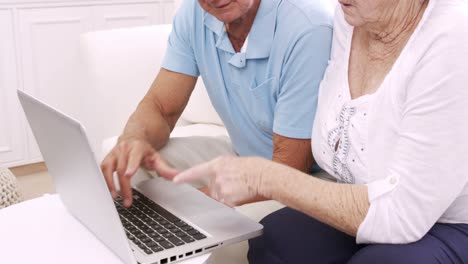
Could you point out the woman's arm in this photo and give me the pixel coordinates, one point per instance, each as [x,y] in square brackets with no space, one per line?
[293,152]
[342,206]
[236,180]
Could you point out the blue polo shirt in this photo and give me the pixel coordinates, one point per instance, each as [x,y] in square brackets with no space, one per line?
[272,87]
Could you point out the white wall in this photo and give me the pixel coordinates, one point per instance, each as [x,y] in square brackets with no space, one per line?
[40,54]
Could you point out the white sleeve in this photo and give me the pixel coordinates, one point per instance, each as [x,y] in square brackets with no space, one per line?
[429,165]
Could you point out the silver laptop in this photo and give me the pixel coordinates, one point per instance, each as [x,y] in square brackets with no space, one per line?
[167,222]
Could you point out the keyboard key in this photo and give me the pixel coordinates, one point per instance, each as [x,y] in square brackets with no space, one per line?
[176,241]
[151,223]
[151,244]
[161,230]
[140,224]
[140,215]
[141,236]
[180,223]
[155,226]
[148,251]
[140,245]
[132,219]
[145,240]
[147,230]
[187,239]
[157,249]
[169,227]
[193,232]
[165,244]
[166,235]
[199,236]
[180,234]
[152,214]
[174,230]
[187,228]
[133,209]
[126,215]
[158,239]
[153,234]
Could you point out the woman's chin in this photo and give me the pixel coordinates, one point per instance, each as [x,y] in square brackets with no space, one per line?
[352,20]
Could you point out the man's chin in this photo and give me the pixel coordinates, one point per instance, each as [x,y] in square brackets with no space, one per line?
[227,17]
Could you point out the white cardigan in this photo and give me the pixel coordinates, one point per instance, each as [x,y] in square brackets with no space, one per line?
[408,142]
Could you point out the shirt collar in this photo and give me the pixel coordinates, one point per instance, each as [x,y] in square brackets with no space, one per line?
[260,36]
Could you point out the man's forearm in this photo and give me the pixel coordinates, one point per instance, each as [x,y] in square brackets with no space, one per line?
[155,130]
[292,152]
[300,162]
[157,114]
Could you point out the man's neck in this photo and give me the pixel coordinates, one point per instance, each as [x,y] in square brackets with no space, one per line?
[239,29]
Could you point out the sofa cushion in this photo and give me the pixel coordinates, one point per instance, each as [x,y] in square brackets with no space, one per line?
[199,108]
[119,66]
[179,131]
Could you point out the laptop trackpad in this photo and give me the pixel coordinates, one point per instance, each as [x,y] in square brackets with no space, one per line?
[184,199]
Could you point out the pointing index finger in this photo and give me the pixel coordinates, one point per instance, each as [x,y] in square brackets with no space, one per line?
[200,171]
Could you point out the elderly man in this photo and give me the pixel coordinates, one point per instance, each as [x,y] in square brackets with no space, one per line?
[261,62]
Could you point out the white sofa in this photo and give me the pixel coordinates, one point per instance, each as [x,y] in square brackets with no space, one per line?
[120,66]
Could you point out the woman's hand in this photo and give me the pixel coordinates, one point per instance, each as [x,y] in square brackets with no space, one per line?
[232,180]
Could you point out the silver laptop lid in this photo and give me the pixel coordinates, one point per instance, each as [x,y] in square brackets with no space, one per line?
[77,176]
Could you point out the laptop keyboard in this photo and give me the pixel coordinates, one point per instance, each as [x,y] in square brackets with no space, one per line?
[151,227]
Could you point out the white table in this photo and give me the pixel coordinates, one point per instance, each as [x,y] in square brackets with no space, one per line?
[42,231]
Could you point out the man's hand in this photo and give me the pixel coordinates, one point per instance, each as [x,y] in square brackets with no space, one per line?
[125,159]
[148,129]
[232,180]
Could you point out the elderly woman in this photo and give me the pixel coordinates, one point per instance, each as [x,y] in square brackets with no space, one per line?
[392,128]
